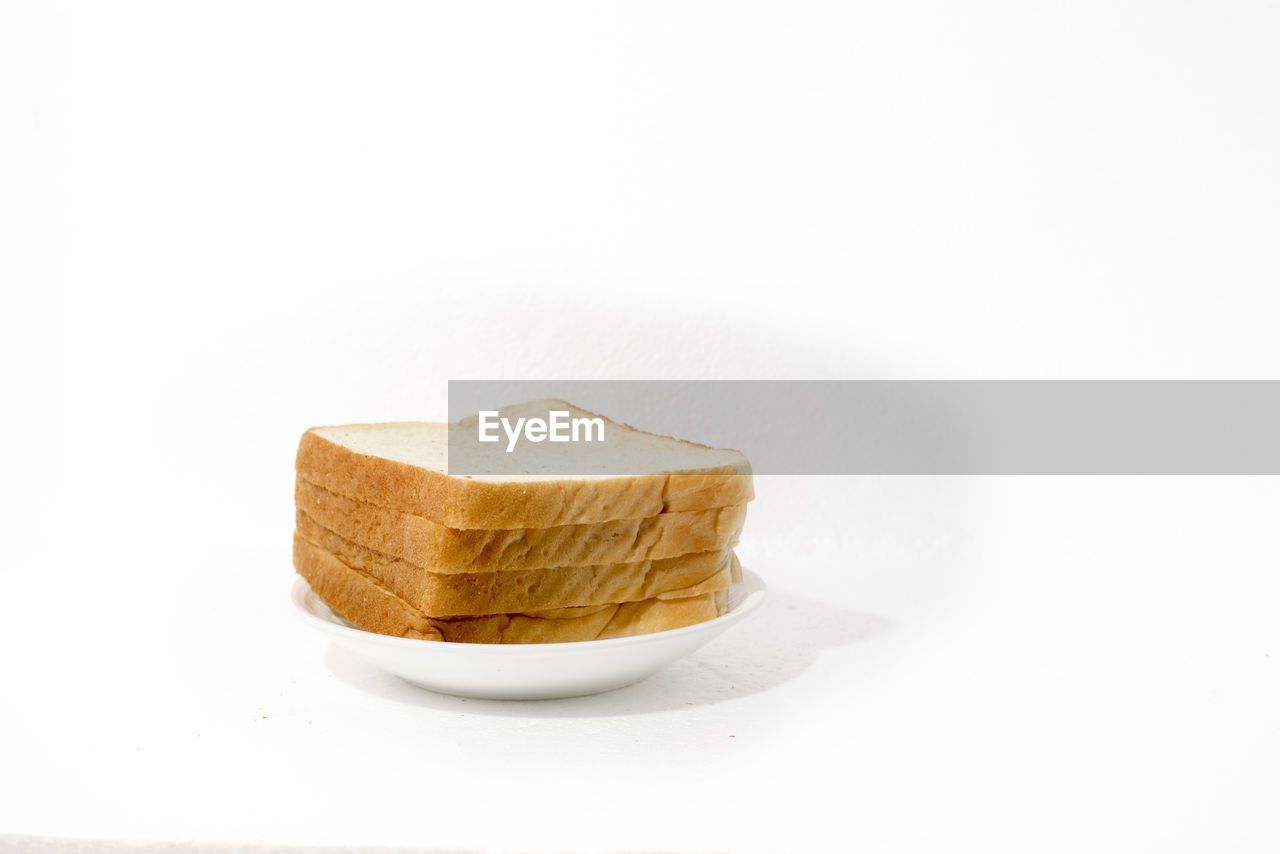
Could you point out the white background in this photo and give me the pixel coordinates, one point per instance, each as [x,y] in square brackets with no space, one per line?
[221,223]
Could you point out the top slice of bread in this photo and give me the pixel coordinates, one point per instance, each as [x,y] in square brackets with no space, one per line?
[404,466]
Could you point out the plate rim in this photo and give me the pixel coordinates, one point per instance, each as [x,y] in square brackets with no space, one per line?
[754,596]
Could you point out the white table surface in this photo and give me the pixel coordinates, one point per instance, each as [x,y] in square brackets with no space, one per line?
[1053,664]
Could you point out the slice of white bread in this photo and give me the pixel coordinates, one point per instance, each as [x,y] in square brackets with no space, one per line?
[370,606]
[633,475]
[438,548]
[437,594]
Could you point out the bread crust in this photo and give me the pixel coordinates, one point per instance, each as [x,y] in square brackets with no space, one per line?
[372,607]
[476,594]
[442,549]
[463,502]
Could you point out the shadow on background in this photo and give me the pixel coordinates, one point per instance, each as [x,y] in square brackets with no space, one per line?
[774,646]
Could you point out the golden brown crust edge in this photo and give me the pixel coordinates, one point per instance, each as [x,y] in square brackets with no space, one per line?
[438,548]
[476,594]
[370,607]
[460,502]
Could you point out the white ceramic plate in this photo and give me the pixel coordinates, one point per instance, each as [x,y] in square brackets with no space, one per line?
[535,671]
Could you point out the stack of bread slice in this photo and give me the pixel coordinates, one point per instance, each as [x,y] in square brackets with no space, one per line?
[396,545]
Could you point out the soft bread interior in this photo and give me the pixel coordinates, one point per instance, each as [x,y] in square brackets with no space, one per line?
[624,452]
